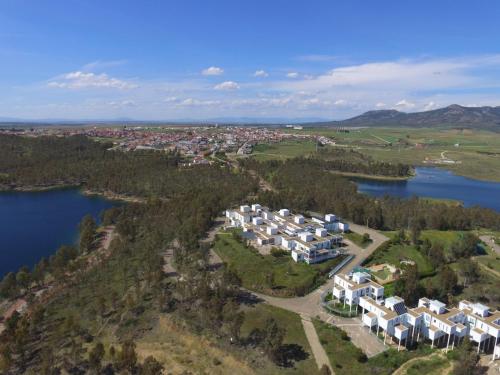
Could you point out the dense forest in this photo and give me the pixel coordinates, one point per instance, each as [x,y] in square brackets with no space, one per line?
[127,287]
[107,301]
[351,161]
[302,183]
[49,161]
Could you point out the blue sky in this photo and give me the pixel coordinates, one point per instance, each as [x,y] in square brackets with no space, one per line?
[160,60]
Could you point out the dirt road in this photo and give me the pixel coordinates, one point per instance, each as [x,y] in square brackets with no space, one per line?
[488,240]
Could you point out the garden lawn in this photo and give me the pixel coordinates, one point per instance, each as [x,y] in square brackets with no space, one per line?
[289,278]
[396,253]
[357,238]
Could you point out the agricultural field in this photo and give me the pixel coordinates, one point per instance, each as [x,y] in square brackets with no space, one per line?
[275,275]
[471,153]
[283,150]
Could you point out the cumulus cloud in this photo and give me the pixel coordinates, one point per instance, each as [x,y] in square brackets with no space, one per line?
[260,73]
[191,102]
[82,80]
[341,92]
[227,85]
[122,104]
[212,71]
[430,105]
[404,104]
[171,99]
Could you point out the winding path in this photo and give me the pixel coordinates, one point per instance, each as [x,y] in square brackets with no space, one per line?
[310,305]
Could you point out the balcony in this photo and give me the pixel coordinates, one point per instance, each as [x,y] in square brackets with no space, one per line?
[370,319]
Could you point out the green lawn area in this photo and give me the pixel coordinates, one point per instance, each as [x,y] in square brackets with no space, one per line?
[384,274]
[283,150]
[255,317]
[347,359]
[357,238]
[446,238]
[396,253]
[290,278]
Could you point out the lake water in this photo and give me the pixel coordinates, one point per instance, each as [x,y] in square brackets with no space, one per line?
[437,183]
[34,225]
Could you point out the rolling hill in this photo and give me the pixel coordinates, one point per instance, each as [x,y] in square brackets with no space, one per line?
[453,116]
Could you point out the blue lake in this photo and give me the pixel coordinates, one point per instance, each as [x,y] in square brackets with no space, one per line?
[437,183]
[34,225]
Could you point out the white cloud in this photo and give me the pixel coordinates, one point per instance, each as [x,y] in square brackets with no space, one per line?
[171,99]
[100,64]
[430,105]
[227,85]
[405,104]
[260,73]
[213,71]
[191,102]
[122,104]
[292,75]
[347,90]
[82,80]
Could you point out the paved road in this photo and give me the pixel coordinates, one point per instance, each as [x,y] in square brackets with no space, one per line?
[310,304]
[318,351]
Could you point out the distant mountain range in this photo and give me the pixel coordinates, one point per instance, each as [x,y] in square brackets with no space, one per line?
[182,121]
[453,116]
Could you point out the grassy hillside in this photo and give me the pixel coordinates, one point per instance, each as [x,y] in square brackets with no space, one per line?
[256,271]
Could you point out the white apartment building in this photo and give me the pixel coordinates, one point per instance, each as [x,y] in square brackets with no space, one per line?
[309,240]
[351,287]
[431,319]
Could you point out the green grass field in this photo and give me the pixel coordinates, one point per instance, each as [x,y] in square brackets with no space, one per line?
[357,238]
[398,253]
[290,278]
[283,150]
[476,150]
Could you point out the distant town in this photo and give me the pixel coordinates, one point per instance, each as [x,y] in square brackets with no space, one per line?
[195,142]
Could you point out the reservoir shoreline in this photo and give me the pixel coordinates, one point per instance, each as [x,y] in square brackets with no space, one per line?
[35,224]
[438,184]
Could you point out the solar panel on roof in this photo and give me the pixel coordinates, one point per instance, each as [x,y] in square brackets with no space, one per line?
[400,308]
